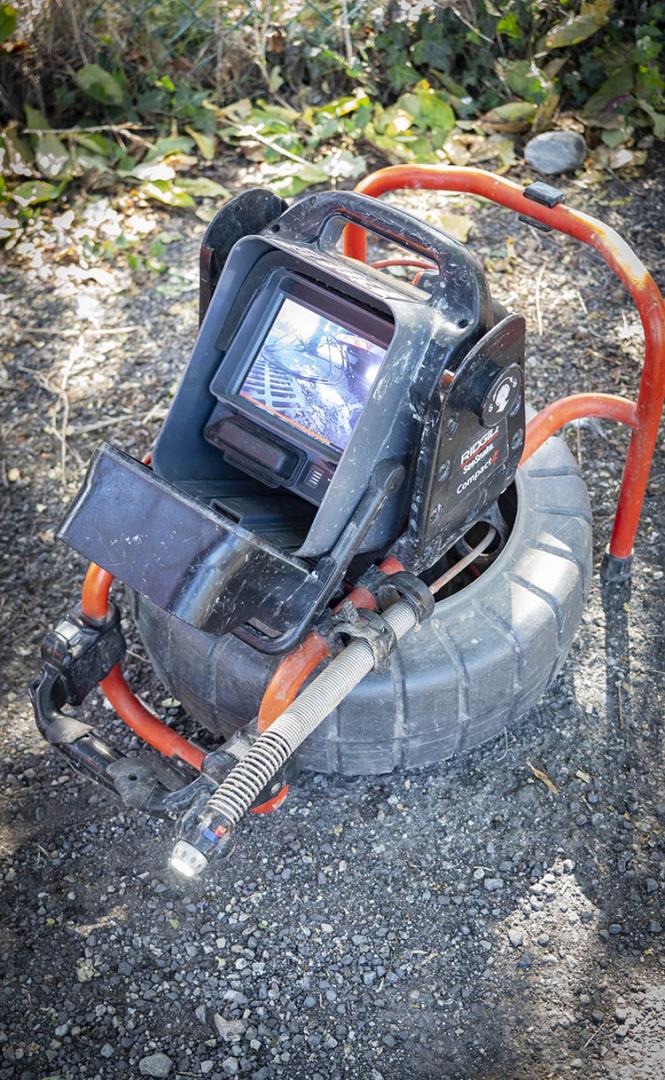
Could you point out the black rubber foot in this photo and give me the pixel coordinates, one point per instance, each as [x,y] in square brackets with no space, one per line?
[615,570]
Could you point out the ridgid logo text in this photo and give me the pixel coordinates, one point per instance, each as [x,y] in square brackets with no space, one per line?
[480,444]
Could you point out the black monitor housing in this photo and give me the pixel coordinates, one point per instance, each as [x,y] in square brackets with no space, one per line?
[330,414]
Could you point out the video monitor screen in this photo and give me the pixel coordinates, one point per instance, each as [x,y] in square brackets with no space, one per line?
[313,373]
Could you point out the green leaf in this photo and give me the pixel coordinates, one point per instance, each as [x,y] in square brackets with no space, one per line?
[170,144]
[432,53]
[35,119]
[438,114]
[342,106]
[525,80]
[350,114]
[100,85]
[421,149]
[457,225]
[82,161]
[288,179]
[150,170]
[577,28]
[51,155]
[342,165]
[18,151]
[394,121]
[203,187]
[95,143]
[206,144]
[35,191]
[509,26]
[124,163]
[401,74]
[611,93]
[8,20]
[513,112]
[616,136]
[427,107]
[165,191]
[262,119]
[657,119]
[396,148]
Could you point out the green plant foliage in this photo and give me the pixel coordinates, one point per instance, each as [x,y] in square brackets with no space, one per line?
[33,192]
[525,80]
[17,155]
[300,102]
[100,85]
[393,45]
[508,26]
[286,181]
[415,127]
[203,186]
[205,144]
[657,119]
[8,20]
[577,28]
[513,112]
[95,143]
[613,93]
[51,156]
[168,193]
[171,144]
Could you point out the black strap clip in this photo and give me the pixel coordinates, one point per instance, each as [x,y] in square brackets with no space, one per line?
[545,195]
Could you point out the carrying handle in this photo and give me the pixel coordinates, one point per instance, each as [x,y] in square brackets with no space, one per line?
[459,279]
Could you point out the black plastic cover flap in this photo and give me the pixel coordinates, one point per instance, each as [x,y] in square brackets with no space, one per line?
[185,557]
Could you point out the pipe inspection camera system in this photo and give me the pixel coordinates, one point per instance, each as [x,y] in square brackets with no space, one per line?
[348,549]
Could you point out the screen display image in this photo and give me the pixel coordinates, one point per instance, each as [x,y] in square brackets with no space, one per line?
[314,373]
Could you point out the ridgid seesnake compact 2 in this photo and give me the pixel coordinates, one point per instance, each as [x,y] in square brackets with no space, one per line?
[352,548]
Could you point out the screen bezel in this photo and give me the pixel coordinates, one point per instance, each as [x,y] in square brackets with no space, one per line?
[253,332]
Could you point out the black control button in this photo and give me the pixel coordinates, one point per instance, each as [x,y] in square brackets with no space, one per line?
[271,456]
[502,395]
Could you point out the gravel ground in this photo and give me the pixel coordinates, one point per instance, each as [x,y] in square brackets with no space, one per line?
[461,921]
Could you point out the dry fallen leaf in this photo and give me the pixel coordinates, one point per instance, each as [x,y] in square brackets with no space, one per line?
[544,778]
[457,225]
